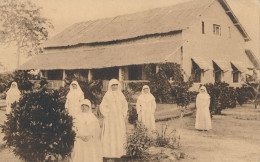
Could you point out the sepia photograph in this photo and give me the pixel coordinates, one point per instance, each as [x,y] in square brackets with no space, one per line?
[130,80]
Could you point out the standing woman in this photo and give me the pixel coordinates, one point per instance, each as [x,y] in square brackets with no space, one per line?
[114,109]
[87,147]
[12,95]
[145,107]
[74,97]
[203,120]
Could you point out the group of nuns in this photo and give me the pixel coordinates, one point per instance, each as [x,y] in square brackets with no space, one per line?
[92,144]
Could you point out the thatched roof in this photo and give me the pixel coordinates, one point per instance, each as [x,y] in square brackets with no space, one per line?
[159,51]
[147,23]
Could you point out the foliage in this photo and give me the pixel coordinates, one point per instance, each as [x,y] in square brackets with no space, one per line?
[221,96]
[138,141]
[254,90]
[159,82]
[63,91]
[232,97]
[39,127]
[193,95]
[5,81]
[181,93]
[164,90]
[22,79]
[133,116]
[130,96]
[92,90]
[137,87]
[23,24]
[244,94]
[168,140]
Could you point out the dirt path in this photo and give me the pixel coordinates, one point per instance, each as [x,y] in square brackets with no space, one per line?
[235,137]
[232,138]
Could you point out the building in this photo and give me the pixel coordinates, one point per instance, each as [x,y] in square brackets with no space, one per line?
[204,37]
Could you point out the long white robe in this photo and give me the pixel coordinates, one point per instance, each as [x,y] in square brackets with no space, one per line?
[145,107]
[114,109]
[203,120]
[74,97]
[12,95]
[91,151]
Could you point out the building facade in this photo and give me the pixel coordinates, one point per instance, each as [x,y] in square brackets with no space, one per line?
[204,37]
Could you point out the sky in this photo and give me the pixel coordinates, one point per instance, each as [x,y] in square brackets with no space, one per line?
[64,13]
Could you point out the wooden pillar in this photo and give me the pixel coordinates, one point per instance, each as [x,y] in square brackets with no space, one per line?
[46,74]
[41,74]
[126,74]
[157,68]
[63,78]
[120,74]
[90,76]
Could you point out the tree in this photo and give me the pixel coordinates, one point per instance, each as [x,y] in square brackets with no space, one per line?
[39,128]
[21,23]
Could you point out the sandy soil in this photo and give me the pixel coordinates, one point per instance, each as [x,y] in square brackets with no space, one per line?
[235,137]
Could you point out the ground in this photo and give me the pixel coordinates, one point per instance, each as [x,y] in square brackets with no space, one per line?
[235,137]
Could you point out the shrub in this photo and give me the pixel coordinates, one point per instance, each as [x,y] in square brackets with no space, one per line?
[221,97]
[129,95]
[5,82]
[244,94]
[137,87]
[193,95]
[138,141]
[162,89]
[133,116]
[92,90]
[181,93]
[232,97]
[38,127]
[22,79]
[167,140]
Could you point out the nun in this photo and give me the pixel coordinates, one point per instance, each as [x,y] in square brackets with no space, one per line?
[203,120]
[145,107]
[114,109]
[87,146]
[74,97]
[12,95]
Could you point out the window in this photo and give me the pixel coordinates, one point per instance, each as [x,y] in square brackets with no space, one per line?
[216,29]
[217,76]
[235,76]
[235,73]
[54,74]
[203,27]
[196,72]
[135,72]
[105,74]
[217,72]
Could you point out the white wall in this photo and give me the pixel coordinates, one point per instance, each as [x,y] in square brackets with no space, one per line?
[210,46]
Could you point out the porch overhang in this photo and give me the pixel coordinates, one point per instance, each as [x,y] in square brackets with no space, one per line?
[223,65]
[159,51]
[240,66]
[202,63]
